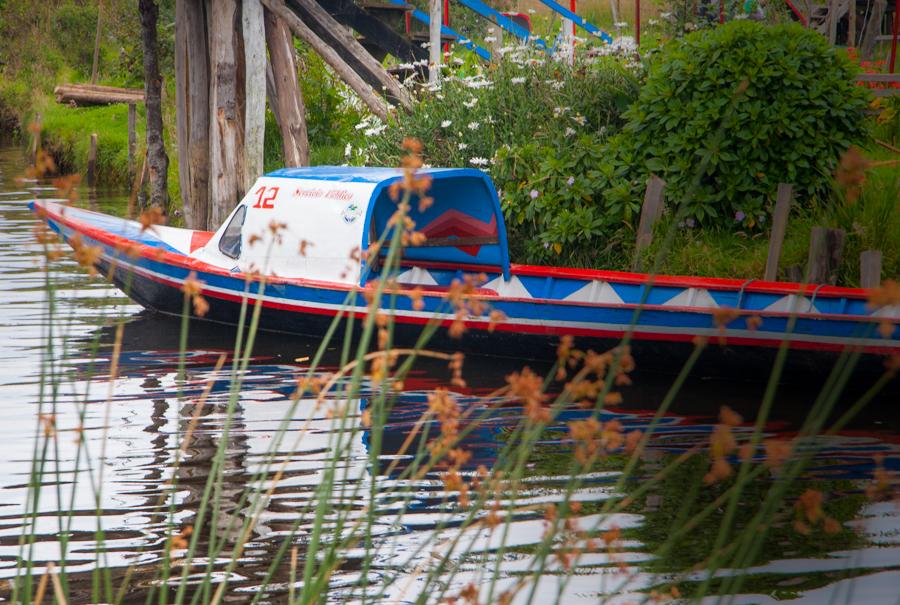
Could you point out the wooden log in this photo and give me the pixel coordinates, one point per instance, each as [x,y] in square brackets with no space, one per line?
[286,98]
[328,54]
[435,14]
[132,137]
[192,110]
[346,45]
[783,199]
[826,248]
[870,269]
[85,94]
[652,209]
[254,34]
[226,132]
[92,161]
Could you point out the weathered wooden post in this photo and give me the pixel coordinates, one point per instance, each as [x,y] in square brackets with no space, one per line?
[287,99]
[783,199]
[192,113]
[434,41]
[826,247]
[833,18]
[254,35]
[872,29]
[35,137]
[95,64]
[654,202]
[132,138]
[226,132]
[870,269]
[92,161]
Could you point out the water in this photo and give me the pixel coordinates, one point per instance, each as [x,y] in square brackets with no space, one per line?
[133,425]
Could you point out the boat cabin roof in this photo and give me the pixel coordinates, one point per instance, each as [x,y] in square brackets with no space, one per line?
[313,222]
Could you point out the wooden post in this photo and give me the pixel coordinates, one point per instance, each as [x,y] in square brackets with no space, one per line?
[637,23]
[654,202]
[434,41]
[132,137]
[287,99]
[157,160]
[872,29]
[851,23]
[783,199]
[826,247]
[255,88]
[92,161]
[833,17]
[96,62]
[870,269]
[328,54]
[35,137]
[226,128]
[192,110]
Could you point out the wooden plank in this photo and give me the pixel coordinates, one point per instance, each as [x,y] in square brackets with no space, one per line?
[286,99]
[885,78]
[353,53]
[434,41]
[92,161]
[330,56]
[654,202]
[192,113]
[870,269]
[826,247]
[783,199]
[254,33]
[226,127]
[347,13]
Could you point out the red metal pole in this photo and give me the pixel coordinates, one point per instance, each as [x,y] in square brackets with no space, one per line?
[721,12]
[894,32]
[447,22]
[637,22]
[572,8]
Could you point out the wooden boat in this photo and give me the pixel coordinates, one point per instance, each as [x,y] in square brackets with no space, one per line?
[333,213]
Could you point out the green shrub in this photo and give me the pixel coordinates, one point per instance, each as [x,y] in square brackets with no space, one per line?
[799,112]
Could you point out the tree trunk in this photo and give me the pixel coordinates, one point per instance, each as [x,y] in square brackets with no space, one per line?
[192,114]
[156,150]
[287,105]
[226,129]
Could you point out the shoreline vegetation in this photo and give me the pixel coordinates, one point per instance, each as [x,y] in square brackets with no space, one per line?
[570,158]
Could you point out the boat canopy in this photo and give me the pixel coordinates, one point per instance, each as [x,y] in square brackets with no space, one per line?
[313,223]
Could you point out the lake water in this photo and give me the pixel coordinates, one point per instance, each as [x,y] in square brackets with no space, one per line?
[115,451]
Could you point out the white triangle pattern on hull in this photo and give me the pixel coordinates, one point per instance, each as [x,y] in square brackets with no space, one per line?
[596,292]
[514,288]
[792,303]
[692,297]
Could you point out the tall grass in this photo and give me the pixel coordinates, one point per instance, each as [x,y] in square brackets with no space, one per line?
[483,506]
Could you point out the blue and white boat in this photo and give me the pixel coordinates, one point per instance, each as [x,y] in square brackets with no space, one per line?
[313,268]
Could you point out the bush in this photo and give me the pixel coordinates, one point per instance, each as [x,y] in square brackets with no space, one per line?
[798,112]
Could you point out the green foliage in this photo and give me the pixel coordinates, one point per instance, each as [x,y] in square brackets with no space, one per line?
[781,101]
[521,100]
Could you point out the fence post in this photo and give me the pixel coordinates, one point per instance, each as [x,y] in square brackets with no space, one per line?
[870,269]
[654,201]
[92,161]
[826,247]
[132,138]
[783,199]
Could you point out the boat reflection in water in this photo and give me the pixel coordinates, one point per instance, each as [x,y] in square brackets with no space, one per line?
[414,515]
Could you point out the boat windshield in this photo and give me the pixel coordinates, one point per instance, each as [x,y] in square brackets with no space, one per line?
[230,242]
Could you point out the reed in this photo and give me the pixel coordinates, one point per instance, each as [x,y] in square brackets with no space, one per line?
[341,530]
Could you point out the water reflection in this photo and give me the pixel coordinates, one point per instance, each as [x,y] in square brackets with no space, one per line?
[140,419]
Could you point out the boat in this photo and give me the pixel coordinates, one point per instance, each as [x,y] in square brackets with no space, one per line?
[304,231]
